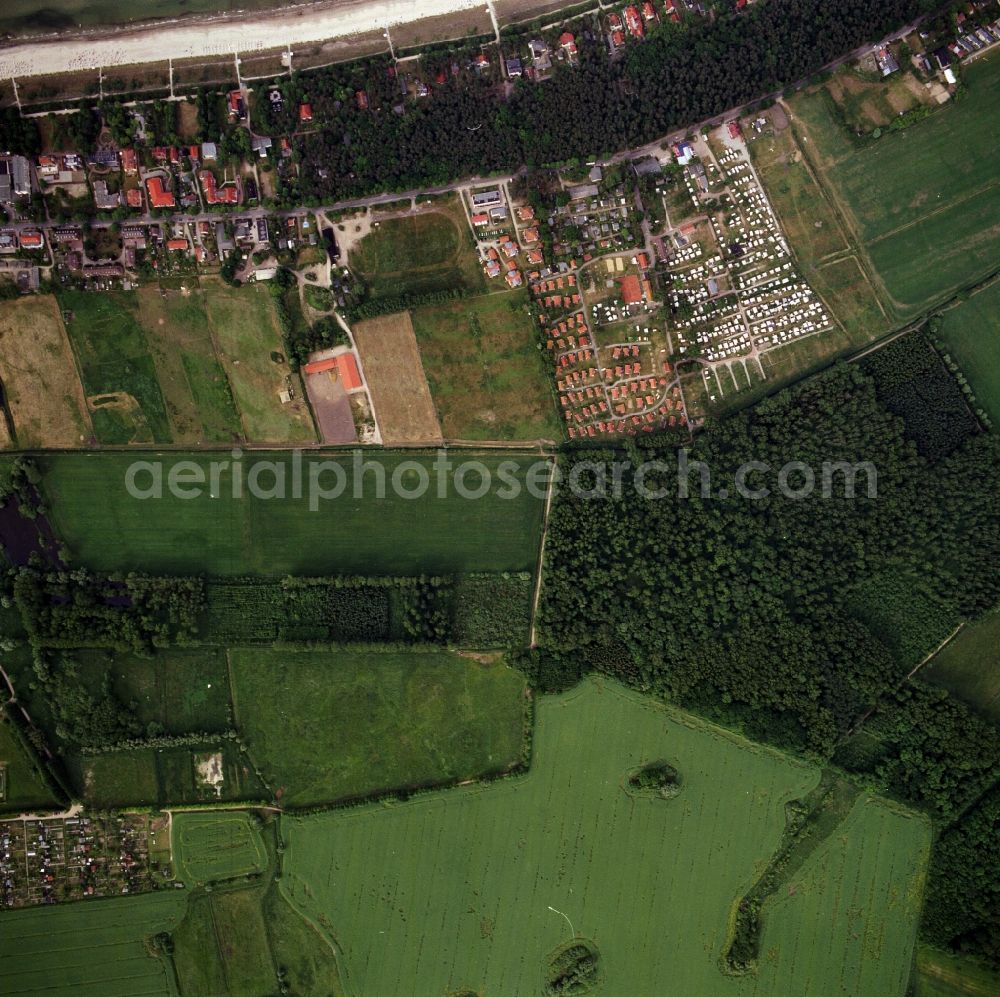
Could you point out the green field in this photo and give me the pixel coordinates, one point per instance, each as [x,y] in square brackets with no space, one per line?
[945,975]
[471,885]
[88,949]
[198,397]
[117,370]
[924,201]
[247,340]
[862,889]
[969,667]
[161,776]
[22,787]
[208,847]
[378,721]
[182,691]
[971,333]
[487,377]
[417,254]
[108,530]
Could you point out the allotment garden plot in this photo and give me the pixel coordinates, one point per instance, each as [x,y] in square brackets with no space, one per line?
[473,887]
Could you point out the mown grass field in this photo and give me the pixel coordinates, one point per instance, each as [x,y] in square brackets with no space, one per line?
[197,394]
[118,373]
[462,895]
[247,339]
[93,949]
[107,529]
[209,847]
[924,201]
[416,254]
[40,382]
[325,726]
[846,922]
[487,377]
[969,666]
[971,333]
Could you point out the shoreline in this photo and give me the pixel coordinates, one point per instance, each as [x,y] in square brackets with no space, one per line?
[214,35]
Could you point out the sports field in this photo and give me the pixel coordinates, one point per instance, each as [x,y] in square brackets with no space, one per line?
[119,376]
[419,253]
[40,383]
[969,666]
[89,949]
[209,847]
[247,341]
[198,397]
[326,726]
[971,333]
[487,377]
[923,201]
[474,888]
[109,530]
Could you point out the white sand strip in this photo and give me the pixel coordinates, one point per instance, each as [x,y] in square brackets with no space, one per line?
[218,36]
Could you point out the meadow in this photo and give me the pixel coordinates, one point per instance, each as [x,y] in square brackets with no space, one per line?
[22,787]
[969,666]
[378,721]
[210,847]
[117,370]
[108,530]
[486,375]
[971,334]
[924,200]
[418,253]
[247,338]
[476,888]
[41,386]
[89,949]
[197,394]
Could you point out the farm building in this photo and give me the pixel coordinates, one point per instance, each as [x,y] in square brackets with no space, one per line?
[342,367]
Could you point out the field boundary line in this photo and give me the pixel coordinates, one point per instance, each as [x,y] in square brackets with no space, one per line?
[541,558]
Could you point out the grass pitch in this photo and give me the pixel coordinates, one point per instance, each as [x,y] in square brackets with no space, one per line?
[108,530]
[209,847]
[473,887]
[417,254]
[378,721]
[487,377]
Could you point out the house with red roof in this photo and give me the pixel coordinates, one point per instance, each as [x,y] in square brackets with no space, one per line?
[648,13]
[568,44]
[361,99]
[159,196]
[480,219]
[177,244]
[634,22]
[226,194]
[133,198]
[631,289]
[305,113]
[32,240]
[129,163]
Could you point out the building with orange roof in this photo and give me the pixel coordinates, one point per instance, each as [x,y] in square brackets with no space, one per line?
[631,289]
[133,198]
[342,367]
[305,113]
[159,196]
[177,243]
[227,194]
[129,163]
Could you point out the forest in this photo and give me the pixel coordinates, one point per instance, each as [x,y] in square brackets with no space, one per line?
[798,620]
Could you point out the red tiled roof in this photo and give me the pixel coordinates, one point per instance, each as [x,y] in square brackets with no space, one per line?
[305,112]
[631,289]
[344,365]
[158,196]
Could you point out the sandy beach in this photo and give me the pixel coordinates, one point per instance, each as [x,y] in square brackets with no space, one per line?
[217,36]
